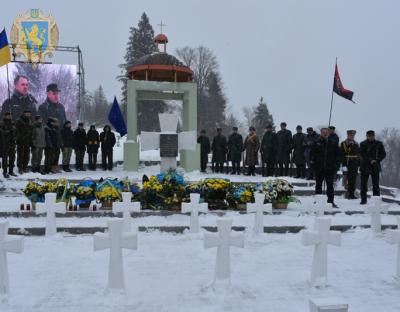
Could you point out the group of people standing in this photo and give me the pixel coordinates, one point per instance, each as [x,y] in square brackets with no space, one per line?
[28,133]
[315,156]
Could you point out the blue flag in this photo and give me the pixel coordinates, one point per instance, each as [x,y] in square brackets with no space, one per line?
[116,118]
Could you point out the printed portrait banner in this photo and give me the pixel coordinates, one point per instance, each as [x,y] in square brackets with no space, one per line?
[40,76]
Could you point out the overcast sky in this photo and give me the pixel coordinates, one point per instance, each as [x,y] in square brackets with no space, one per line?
[283,50]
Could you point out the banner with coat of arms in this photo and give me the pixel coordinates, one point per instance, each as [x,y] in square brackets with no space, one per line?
[34,36]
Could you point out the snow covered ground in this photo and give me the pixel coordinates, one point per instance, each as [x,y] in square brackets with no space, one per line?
[174,273]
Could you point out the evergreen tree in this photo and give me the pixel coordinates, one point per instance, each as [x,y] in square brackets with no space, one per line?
[230,122]
[101,106]
[262,117]
[141,43]
[212,104]
[87,107]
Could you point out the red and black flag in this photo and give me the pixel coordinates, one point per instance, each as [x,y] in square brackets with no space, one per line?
[339,89]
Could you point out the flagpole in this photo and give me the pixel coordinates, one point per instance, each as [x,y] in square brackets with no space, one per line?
[8,83]
[330,112]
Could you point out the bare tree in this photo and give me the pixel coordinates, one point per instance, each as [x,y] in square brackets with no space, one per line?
[201,60]
[249,113]
[391,165]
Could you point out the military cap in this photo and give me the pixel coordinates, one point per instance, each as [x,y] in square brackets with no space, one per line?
[351,131]
[310,129]
[252,128]
[52,87]
[234,128]
[332,127]
[370,132]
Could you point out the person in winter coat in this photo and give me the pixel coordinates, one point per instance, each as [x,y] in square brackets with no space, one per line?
[8,138]
[53,146]
[93,143]
[67,145]
[107,140]
[235,149]
[80,141]
[268,151]
[372,152]
[38,144]
[24,130]
[251,147]
[284,147]
[219,148]
[205,149]
[326,158]
[333,135]
[309,142]
[298,153]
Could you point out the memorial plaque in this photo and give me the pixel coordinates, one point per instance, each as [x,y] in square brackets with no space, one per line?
[168,145]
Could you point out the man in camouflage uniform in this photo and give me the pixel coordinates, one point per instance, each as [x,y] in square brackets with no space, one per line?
[24,131]
[351,161]
[8,138]
[38,144]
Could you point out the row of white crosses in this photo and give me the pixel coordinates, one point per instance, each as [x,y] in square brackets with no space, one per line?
[120,236]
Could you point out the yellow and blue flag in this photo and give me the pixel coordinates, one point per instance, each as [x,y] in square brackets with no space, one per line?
[5,56]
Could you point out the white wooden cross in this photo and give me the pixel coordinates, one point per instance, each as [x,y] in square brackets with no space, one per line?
[393,237]
[375,208]
[187,140]
[126,207]
[223,240]
[50,207]
[321,237]
[259,208]
[320,205]
[8,243]
[115,240]
[194,207]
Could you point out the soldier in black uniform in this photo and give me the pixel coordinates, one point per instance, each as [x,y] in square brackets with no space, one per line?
[309,141]
[372,152]
[219,148]
[8,138]
[298,152]
[205,149]
[235,149]
[20,101]
[268,151]
[24,135]
[284,147]
[326,159]
[51,108]
[332,134]
[80,141]
[93,144]
[351,161]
